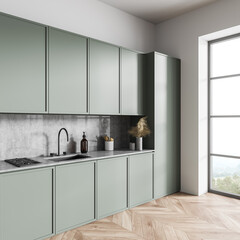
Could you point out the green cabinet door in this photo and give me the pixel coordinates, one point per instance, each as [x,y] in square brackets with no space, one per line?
[67,73]
[167,126]
[26,204]
[111,186]
[74,195]
[22,66]
[104,78]
[131,83]
[140,179]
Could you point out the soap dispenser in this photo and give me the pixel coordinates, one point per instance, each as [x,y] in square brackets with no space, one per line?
[84,144]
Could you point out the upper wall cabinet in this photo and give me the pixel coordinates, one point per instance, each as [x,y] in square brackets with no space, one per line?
[104,78]
[131,82]
[67,73]
[22,66]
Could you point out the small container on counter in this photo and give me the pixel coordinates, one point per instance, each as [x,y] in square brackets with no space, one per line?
[84,144]
[109,143]
[132,146]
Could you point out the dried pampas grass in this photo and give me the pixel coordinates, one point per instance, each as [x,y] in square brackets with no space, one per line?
[141,130]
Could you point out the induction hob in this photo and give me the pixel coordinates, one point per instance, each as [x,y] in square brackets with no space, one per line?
[21,162]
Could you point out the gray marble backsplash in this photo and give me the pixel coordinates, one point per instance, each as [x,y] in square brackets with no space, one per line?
[34,135]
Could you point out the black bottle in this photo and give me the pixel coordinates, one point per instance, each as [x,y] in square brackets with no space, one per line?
[84,144]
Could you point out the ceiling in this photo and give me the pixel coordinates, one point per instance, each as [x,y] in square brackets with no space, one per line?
[156,11]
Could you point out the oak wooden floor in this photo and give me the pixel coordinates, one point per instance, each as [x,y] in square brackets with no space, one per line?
[175,217]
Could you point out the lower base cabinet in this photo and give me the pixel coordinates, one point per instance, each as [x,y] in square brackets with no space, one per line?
[36,204]
[74,195]
[26,204]
[140,170]
[111,186]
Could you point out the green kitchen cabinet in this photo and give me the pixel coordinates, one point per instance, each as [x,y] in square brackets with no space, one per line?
[23,83]
[104,78]
[131,83]
[163,111]
[67,73]
[26,204]
[111,186]
[140,175]
[74,195]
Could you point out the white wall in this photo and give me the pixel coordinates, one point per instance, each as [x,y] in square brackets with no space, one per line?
[178,37]
[90,18]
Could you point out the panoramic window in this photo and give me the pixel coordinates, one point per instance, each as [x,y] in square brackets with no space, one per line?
[224,115]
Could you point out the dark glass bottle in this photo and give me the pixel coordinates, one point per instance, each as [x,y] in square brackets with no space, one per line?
[84,144]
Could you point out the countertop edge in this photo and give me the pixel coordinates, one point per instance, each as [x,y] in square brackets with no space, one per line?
[8,168]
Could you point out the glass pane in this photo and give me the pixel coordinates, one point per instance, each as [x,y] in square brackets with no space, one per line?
[225,136]
[225,173]
[225,96]
[225,57]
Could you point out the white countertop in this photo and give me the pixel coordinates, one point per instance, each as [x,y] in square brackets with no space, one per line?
[93,156]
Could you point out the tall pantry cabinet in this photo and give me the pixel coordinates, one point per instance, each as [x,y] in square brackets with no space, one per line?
[162,99]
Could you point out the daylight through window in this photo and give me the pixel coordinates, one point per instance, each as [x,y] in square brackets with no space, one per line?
[224,115]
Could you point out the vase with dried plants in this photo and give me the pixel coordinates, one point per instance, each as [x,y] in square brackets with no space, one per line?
[140,131]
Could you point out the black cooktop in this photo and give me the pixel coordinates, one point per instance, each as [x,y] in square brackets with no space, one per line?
[21,162]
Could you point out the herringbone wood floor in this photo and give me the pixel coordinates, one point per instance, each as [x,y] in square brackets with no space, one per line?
[175,217]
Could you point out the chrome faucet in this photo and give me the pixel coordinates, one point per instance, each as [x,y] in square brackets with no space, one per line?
[59,133]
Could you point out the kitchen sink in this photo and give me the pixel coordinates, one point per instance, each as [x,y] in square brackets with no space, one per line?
[67,157]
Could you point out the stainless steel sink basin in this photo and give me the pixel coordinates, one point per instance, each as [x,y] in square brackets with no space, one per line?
[67,157]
